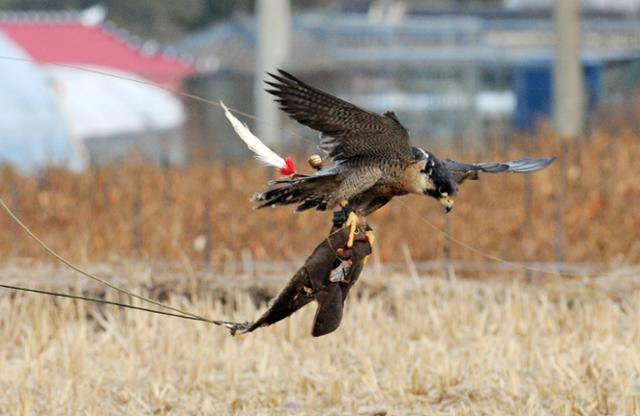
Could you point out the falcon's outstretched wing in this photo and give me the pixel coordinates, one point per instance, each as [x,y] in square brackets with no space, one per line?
[347,131]
[463,171]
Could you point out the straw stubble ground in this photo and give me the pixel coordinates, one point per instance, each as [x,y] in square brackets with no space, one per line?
[406,346]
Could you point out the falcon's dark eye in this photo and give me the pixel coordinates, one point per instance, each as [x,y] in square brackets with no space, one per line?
[441,190]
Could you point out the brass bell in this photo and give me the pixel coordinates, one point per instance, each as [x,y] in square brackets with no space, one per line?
[315,161]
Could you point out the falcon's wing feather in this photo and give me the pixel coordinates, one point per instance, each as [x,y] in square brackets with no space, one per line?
[347,131]
[462,171]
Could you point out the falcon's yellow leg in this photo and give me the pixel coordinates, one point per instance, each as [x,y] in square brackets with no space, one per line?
[352,223]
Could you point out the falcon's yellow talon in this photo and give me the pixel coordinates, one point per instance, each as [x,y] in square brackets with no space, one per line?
[371,236]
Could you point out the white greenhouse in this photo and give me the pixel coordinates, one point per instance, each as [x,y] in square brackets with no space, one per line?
[60,116]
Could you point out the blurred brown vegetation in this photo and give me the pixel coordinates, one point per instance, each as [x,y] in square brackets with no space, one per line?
[584,208]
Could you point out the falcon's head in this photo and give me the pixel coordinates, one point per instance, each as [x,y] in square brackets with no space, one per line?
[440,183]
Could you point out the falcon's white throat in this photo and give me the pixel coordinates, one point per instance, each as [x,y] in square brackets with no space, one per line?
[415,180]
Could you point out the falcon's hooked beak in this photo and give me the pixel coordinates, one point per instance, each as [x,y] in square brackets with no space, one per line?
[447,203]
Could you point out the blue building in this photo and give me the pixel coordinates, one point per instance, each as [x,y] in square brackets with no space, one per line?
[607,80]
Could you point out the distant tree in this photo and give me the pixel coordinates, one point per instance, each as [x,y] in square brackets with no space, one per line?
[209,12]
[162,19]
[165,20]
[45,4]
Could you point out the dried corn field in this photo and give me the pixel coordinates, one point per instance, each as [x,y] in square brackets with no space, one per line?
[582,209]
[408,345]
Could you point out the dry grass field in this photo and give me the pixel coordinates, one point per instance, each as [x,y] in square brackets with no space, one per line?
[408,345]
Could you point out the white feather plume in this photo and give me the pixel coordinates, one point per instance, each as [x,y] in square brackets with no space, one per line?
[262,152]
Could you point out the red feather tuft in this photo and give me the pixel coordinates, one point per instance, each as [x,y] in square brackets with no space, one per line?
[289,168]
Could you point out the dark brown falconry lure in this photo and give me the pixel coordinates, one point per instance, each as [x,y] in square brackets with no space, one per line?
[326,276]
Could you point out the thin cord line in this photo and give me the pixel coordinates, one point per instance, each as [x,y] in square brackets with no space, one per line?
[454,239]
[152,84]
[125,78]
[72,266]
[477,250]
[96,300]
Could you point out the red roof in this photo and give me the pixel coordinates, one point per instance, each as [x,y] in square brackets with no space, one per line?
[76,43]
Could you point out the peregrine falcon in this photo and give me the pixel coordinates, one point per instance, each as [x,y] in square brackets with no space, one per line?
[372,159]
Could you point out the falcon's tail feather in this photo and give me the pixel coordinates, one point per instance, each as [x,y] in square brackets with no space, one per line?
[309,192]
